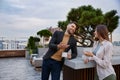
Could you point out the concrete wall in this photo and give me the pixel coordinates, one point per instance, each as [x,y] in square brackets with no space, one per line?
[42,51]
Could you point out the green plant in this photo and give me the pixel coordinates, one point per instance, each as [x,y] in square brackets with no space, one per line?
[30,51]
[40,46]
[87,17]
[36,39]
[45,34]
[31,45]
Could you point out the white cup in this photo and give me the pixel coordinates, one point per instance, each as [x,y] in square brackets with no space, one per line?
[64,54]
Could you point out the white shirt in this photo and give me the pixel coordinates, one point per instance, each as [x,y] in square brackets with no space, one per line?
[103,59]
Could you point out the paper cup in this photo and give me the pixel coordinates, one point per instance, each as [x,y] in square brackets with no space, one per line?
[64,54]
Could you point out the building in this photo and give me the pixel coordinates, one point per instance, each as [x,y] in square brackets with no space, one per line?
[116,43]
[1,45]
[12,44]
[52,30]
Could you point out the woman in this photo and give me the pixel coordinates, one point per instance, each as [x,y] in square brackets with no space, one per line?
[102,54]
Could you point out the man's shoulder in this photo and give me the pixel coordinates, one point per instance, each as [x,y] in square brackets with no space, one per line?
[58,32]
[73,38]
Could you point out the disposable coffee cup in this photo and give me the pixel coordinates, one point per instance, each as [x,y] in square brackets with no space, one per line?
[64,54]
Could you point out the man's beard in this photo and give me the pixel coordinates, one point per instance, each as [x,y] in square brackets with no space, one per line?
[70,32]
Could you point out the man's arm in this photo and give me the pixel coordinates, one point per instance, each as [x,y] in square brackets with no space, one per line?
[53,42]
[74,49]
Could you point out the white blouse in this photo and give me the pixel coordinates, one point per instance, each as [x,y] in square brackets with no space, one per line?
[103,59]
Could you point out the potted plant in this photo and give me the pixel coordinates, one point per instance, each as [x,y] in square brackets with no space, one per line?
[31,48]
[37,40]
[27,54]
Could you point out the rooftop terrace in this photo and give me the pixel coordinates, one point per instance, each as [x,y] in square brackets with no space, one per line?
[18,69]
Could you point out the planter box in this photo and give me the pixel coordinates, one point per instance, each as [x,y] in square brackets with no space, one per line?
[27,54]
[42,51]
[37,62]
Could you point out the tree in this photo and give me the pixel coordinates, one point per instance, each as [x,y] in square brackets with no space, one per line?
[44,33]
[111,20]
[36,39]
[87,18]
[31,45]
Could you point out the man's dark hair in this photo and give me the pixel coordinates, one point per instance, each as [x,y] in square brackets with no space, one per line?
[73,22]
[77,27]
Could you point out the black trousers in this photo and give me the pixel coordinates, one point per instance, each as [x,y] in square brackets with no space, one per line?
[52,67]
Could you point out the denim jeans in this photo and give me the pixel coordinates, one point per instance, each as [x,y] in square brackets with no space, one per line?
[51,66]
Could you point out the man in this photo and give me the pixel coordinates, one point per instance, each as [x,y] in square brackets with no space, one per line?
[59,43]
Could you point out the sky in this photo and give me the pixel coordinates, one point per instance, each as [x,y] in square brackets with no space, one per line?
[24,18]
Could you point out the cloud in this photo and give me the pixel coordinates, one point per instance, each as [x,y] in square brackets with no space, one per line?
[14,24]
[52,9]
[26,17]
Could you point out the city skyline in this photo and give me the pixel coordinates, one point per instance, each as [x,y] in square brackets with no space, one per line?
[23,18]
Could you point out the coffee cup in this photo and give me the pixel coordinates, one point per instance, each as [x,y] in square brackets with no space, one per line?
[64,54]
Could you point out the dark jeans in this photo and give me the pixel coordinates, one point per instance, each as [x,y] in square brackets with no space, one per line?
[51,66]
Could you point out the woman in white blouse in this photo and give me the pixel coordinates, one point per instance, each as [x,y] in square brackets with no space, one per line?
[102,54]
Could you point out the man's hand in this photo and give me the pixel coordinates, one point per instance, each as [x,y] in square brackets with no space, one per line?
[69,55]
[62,46]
